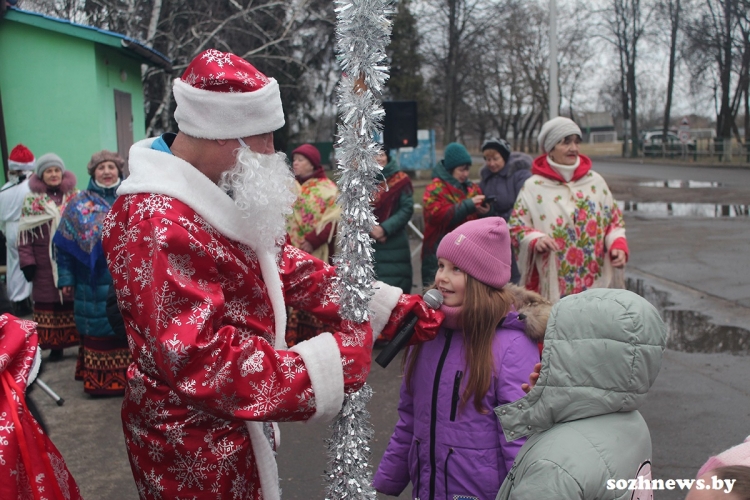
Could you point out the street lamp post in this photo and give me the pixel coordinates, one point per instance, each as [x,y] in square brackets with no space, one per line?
[554,93]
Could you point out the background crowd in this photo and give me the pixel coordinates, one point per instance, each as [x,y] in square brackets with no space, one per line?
[519,258]
[53,241]
[566,233]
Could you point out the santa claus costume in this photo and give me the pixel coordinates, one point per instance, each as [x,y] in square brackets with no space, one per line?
[203,291]
[21,164]
[32,467]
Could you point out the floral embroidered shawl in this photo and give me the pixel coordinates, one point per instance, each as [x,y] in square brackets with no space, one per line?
[389,191]
[39,209]
[581,216]
[313,210]
[80,230]
[441,198]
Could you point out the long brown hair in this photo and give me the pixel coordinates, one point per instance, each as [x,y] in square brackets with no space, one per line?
[483,309]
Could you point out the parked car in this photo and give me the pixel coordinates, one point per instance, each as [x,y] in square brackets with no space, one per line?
[651,143]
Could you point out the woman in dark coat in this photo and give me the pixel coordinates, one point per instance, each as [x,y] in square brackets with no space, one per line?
[52,187]
[393,207]
[503,176]
[104,357]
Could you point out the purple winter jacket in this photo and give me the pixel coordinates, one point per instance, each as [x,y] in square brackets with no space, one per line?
[448,450]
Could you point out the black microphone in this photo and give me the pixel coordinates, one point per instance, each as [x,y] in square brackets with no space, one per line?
[434,299]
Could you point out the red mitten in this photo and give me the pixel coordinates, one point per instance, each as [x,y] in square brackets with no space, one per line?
[355,345]
[428,320]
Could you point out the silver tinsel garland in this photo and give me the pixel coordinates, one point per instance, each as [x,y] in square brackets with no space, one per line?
[363,32]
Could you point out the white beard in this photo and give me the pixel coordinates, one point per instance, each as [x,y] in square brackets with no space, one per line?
[262,188]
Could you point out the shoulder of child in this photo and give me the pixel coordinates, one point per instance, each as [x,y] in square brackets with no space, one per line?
[533,311]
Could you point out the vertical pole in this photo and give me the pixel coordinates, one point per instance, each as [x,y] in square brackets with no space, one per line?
[3,142]
[554,93]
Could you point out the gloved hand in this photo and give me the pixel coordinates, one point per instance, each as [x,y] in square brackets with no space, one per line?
[428,320]
[29,272]
[355,345]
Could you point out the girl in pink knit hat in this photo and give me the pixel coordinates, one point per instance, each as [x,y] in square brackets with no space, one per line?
[732,467]
[447,442]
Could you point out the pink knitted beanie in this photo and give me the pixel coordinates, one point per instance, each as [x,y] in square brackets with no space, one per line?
[481,248]
[737,455]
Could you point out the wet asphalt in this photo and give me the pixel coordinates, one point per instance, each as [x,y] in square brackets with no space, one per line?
[694,268]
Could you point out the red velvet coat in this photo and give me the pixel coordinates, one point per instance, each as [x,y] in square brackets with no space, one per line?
[32,467]
[203,314]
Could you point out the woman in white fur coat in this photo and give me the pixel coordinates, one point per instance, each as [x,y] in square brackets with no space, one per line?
[566,228]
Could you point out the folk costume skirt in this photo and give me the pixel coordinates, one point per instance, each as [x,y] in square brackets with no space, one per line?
[56,325]
[103,364]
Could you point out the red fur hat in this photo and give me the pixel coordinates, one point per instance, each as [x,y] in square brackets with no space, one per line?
[222,96]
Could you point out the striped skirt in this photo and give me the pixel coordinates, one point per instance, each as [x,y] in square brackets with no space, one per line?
[103,364]
[56,325]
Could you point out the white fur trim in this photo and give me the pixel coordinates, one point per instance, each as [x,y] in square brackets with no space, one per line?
[207,114]
[526,255]
[156,172]
[270,272]
[323,362]
[268,470]
[35,366]
[381,305]
[17,165]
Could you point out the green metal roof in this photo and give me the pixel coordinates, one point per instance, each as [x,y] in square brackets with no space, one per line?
[109,38]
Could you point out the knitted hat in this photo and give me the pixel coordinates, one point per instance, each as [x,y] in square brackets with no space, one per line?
[481,248]
[737,455]
[555,131]
[21,158]
[499,145]
[103,156]
[455,155]
[46,161]
[222,96]
[311,153]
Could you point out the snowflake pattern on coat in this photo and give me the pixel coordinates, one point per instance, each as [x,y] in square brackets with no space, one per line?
[22,441]
[200,330]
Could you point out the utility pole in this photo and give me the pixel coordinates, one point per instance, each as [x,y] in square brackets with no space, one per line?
[554,93]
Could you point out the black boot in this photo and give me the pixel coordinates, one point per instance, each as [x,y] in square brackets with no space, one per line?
[22,308]
[55,355]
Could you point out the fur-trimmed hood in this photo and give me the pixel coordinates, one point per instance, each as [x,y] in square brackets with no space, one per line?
[38,186]
[602,354]
[533,311]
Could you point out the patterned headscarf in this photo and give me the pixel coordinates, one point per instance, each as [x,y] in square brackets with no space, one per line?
[80,230]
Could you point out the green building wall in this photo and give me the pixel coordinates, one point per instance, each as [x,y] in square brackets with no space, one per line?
[58,94]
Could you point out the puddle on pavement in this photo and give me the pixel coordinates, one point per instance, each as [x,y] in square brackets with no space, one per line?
[691,331]
[681,184]
[685,209]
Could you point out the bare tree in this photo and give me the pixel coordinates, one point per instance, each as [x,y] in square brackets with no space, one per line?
[744,25]
[625,22]
[452,30]
[508,91]
[718,50]
[670,12]
[287,39]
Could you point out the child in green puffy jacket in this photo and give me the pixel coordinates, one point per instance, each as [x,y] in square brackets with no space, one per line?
[586,439]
